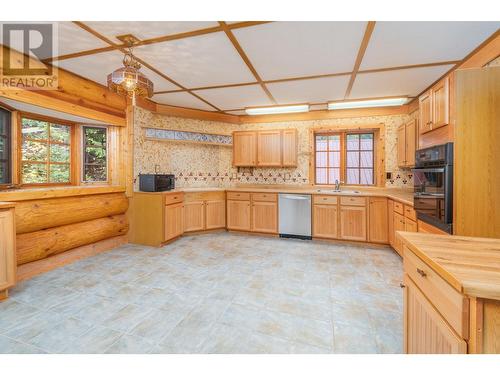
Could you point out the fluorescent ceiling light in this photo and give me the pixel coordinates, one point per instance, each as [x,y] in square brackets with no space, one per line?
[276,110]
[389,102]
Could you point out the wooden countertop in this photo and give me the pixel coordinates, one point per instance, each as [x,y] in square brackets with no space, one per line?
[401,195]
[7,205]
[469,264]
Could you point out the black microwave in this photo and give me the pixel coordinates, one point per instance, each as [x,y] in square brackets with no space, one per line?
[156,182]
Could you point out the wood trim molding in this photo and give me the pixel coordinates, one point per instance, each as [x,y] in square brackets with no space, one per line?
[197,114]
[370,26]
[28,194]
[245,58]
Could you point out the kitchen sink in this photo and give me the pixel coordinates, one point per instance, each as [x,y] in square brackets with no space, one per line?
[348,192]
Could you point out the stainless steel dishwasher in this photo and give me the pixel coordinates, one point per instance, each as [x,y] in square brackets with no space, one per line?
[295,216]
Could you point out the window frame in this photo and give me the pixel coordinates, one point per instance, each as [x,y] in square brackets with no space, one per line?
[82,164]
[9,160]
[343,154]
[72,150]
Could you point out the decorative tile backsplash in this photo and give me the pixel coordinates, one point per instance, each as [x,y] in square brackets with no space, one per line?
[211,165]
[176,135]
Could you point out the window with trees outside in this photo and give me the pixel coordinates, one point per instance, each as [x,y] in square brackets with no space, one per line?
[345,157]
[5,147]
[45,152]
[95,157]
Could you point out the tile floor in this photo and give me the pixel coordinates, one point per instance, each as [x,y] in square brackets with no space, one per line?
[212,293]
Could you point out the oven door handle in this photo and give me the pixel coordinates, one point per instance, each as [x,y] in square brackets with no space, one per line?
[434,170]
[430,195]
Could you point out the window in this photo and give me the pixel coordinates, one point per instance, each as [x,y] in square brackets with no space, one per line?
[5,139]
[344,156]
[95,154]
[45,152]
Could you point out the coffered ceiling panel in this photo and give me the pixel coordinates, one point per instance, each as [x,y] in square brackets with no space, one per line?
[182,99]
[206,60]
[317,90]
[408,43]
[97,67]
[72,38]
[236,97]
[290,49]
[146,29]
[396,82]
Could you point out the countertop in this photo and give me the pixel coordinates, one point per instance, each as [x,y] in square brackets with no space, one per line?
[402,195]
[7,205]
[469,264]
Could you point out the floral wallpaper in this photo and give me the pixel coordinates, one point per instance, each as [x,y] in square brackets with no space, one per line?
[206,165]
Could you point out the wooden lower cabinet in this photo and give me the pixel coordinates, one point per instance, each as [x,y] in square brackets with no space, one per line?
[238,215]
[410,225]
[426,332]
[325,221]
[390,221]
[215,214]
[265,217]
[194,216]
[353,223]
[8,263]
[399,225]
[174,221]
[377,220]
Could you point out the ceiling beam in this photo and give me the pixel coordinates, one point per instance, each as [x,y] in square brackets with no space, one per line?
[160,39]
[361,52]
[245,58]
[146,64]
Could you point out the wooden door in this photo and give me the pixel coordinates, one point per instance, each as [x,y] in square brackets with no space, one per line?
[194,216]
[174,220]
[410,225]
[390,221]
[411,142]
[399,225]
[425,330]
[353,223]
[8,264]
[244,149]
[265,217]
[269,148]
[440,104]
[377,221]
[238,215]
[289,148]
[325,221]
[215,214]
[425,112]
[401,144]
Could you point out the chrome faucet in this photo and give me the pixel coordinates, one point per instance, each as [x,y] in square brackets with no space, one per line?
[337,185]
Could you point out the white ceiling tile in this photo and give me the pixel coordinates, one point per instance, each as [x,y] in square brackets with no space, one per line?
[406,43]
[182,99]
[317,90]
[293,49]
[236,97]
[72,38]
[205,60]
[396,82]
[97,67]
[146,29]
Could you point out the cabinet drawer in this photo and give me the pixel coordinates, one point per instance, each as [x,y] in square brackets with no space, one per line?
[398,207]
[353,201]
[325,199]
[173,198]
[450,303]
[264,197]
[410,213]
[232,195]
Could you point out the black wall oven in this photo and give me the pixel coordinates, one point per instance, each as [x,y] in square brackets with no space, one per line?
[433,183]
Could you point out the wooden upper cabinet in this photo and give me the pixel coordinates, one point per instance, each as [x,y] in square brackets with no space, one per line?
[440,103]
[377,220]
[269,148]
[426,332]
[8,263]
[265,148]
[411,142]
[244,149]
[401,151]
[289,148]
[434,106]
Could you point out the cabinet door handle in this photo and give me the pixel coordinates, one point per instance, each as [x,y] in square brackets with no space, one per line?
[401,285]
[421,272]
